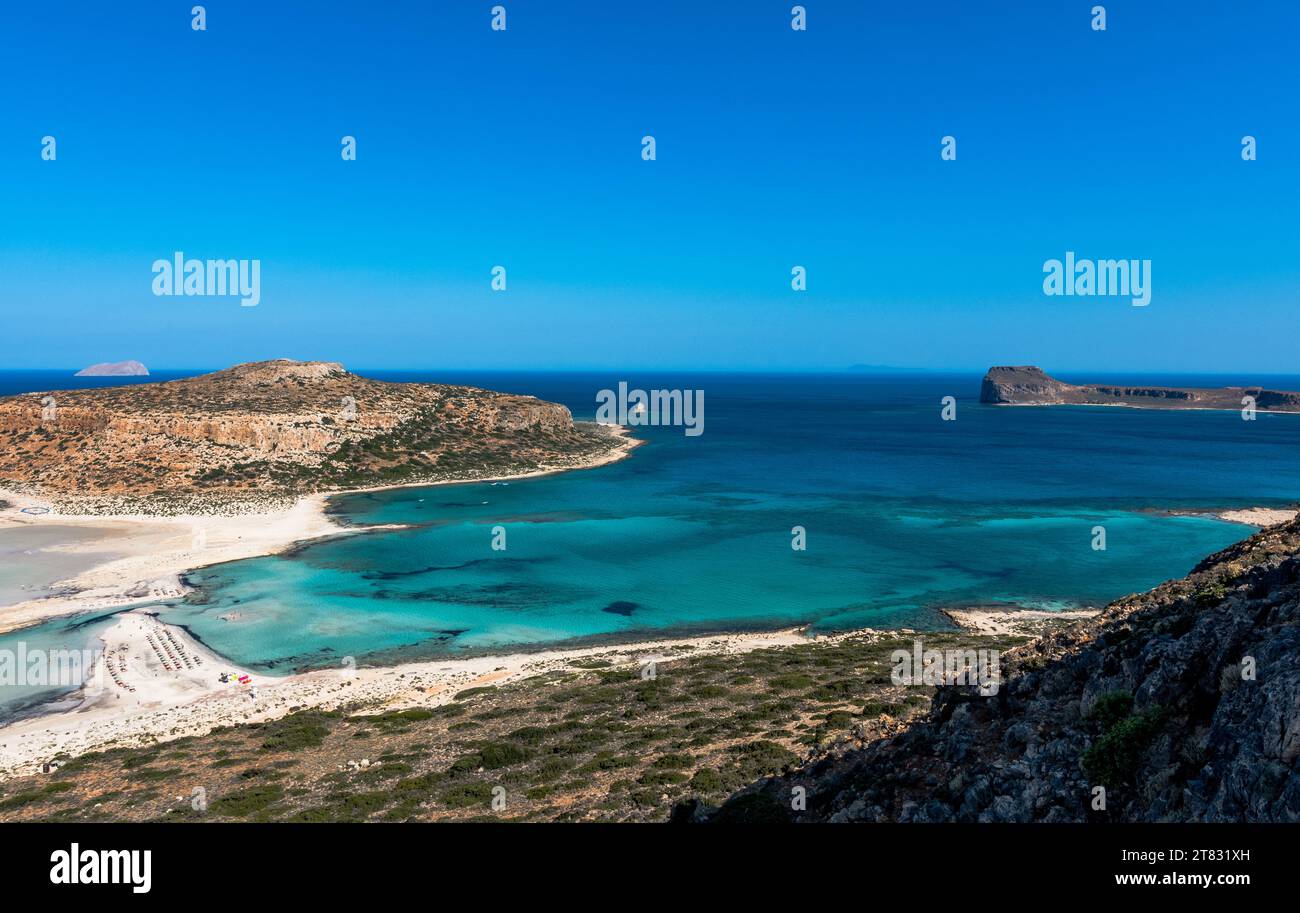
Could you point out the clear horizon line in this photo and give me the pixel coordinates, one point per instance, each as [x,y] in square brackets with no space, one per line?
[887,369]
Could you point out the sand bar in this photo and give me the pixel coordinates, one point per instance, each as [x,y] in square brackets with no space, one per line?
[154,683]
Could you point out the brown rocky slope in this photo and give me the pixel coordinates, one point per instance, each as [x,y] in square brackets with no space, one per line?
[1183,703]
[268,430]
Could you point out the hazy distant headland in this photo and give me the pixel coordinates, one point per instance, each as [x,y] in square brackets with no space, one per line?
[114,369]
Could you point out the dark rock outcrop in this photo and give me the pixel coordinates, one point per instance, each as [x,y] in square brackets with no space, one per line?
[1025,384]
[1182,703]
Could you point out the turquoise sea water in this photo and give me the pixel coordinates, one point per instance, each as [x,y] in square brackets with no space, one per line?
[82,632]
[904,514]
[33,557]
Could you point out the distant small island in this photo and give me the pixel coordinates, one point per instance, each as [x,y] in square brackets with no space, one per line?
[1026,385]
[114,369]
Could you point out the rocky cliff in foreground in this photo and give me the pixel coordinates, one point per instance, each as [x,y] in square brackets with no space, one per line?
[1026,385]
[273,429]
[1182,703]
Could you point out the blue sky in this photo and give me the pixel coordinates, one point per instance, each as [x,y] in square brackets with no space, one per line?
[775,148]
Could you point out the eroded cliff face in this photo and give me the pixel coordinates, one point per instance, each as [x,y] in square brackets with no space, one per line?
[1182,704]
[1026,385]
[277,427]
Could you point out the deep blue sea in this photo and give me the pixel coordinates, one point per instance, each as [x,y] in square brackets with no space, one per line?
[903,514]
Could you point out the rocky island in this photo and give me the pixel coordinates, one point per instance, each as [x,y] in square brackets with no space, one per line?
[267,432]
[114,369]
[1026,385]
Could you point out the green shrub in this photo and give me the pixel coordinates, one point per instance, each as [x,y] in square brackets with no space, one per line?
[840,690]
[1114,757]
[607,760]
[529,735]
[662,778]
[877,708]
[705,692]
[466,794]
[839,719]
[321,814]
[1210,595]
[465,764]
[246,802]
[138,760]
[18,800]
[761,758]
[552,769]
[295,732]
[790,681]
[357,806]
[673,762]
[708,781]
[422,784]
[1111,708]
[503,754]
[472,692]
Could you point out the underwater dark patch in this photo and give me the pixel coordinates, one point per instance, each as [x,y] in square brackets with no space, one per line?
[621,607]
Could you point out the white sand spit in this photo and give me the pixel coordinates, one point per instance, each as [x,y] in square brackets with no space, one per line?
[155,683]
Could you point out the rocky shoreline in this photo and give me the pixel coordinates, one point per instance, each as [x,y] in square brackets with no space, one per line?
[1178,704]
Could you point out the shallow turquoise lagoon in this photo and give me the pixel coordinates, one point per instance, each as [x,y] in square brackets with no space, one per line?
[903,513]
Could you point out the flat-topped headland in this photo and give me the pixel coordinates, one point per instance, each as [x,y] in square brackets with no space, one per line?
[1026,385]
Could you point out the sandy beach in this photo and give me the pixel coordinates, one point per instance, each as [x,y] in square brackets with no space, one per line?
[1259,516]
[154,683]
[1010,620]
[154,551]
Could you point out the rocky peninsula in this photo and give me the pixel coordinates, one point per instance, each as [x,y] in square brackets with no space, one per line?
[239,463]
[261,435]
[1026,385]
